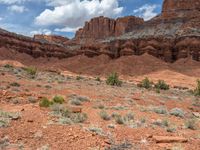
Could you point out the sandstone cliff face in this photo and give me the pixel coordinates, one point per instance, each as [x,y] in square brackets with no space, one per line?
[103,27]
[51,39]
[172,35]
[12,41]
[180,9]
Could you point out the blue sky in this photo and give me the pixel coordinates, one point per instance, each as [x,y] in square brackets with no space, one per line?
[64,17]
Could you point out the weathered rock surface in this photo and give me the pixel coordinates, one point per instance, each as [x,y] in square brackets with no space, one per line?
[55,39]
[172,35]
[35,48]
[103,27]
[184,9]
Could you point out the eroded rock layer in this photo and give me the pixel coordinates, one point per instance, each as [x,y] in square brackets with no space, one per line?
[172,35]
[54,39]
[35,48]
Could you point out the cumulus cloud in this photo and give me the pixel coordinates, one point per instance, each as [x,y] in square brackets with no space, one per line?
[12,1]
[17,8]
[41,31]
[71,14]
[146,11]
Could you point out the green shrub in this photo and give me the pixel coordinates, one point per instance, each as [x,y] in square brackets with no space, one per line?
[44,102]
[31,70]
[113,79]
[104,115]
[58,99]
[162,85]
[197,90]
[8,66]
[146,83]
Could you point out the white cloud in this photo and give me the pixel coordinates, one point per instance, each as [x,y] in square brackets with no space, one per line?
[12,1]
[41,31]
[146,11]
[17,8]
[67,29]
[71,14]
[1,18]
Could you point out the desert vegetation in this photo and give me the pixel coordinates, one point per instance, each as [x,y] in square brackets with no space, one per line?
[95,109]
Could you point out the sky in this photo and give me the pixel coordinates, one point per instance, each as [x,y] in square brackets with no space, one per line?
[64,17]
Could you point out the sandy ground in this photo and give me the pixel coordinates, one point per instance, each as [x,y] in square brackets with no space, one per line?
[37,128]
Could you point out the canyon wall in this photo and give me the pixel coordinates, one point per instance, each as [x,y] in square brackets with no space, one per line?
[172,35]
[103,27]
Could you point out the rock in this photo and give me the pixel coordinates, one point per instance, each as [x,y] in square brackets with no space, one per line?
[51,39]
[103,27]
[169,139]
[75,109]
[180,8]
[196,114]
[170,36]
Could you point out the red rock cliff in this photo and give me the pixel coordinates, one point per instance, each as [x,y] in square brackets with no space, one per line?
[103,27]
[180,9]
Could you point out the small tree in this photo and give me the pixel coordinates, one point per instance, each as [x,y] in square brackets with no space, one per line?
[113,79]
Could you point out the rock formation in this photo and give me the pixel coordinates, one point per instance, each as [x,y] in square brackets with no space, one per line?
[35,48]
[103,27]
[172,35]
[55,39]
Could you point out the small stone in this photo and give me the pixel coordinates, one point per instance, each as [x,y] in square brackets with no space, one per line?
[169,139]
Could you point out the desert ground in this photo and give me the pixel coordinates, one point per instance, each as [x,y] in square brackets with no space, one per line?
[93,115]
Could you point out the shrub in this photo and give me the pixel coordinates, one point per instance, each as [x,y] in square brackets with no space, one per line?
[191,124]
[119,119]
[129,116]
[75,102]
[177,112]
[104,115]
[171,129]
[58,99]
[160,110]
[15,84]
[78,117]
[162,85]
[64,120]
[8,66]
[32,99]
[98,79]
[197,90]
[31,70]
[96,130]
[113,79]
[79,78]
[146,83]
[44,102]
